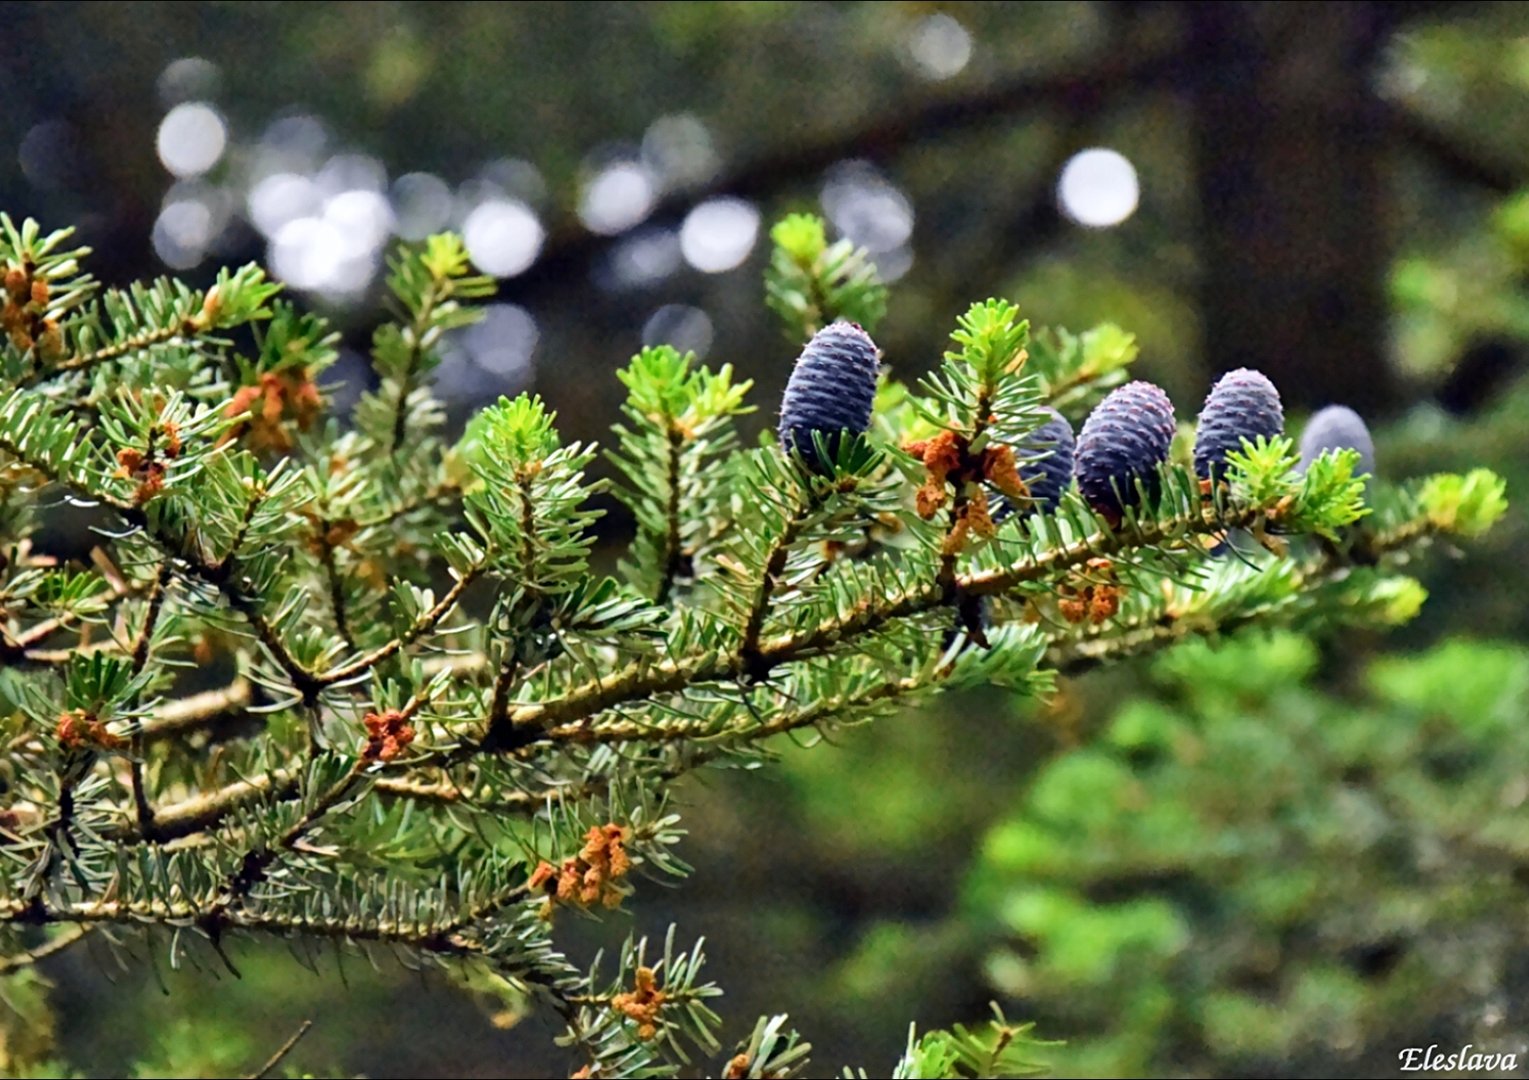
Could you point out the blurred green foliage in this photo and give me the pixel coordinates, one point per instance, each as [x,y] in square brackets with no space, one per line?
[1242,875]
[1280,857]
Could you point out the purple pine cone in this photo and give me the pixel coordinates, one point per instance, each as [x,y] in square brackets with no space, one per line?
[1045,465]
[1124,440]
[831,390]
[1242,405]
[1338,427]
[1046,461]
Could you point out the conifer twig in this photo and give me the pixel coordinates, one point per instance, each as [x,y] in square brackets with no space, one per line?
[52,947]
[641,681]
[425,624]
[749,657]
[281,1052]
[157,338]
[673,553]
[180,716]
[135,732]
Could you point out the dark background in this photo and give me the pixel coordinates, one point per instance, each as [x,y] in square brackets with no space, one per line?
[1328,192]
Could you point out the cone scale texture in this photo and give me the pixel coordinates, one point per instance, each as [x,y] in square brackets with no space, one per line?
[1045,465]
[1242,405]
[1123,441]
[831,391]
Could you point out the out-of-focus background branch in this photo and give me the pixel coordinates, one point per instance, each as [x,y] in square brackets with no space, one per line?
[1333,193]
[1266,141]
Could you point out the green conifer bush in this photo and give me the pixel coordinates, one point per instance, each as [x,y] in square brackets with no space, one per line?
[1242,876]
[356,683]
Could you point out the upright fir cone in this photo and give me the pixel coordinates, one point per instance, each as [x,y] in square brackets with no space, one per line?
[1242,405]
[1123,441]
[1045,466]
[830,391]
[1338,427]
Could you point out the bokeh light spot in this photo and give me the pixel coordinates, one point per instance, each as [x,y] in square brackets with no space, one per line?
[718,234]
[280,198]
[620,196]
[47,154]
[364,218]
[866,207]
[307,253]
[679,149]
[293,144]
[421,205]
[182,232]
[642,258]
[687,328]
[352,172]
[503,342]
[191,138]
[517,178]
[1098,188]
[939,46]
[503,237]
[191,78]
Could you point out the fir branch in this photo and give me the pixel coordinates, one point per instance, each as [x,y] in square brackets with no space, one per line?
[425,624]
[160,337]
[764,595]
[52,947]
[443,496]
[531,600]
[446,793]
[1070,368]
[429,285]
[257,861]
[522,961]
[749,659]
[1077,654]
[22,648]
[306,682]
[208,809]
[748,728]
[45,658]
[132,514]
[220,575]
[60,840]
[673,552]
[486,909]
[215,922]
[142,319]
[281,1052]
[672,454]
[416,338]
[811,283]
[337,602]
[640,681]
[182,716]
[140,654]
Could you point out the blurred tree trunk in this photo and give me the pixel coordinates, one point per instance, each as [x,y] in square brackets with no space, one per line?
[1289,139]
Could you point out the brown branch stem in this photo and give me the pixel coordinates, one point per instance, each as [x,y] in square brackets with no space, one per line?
[168,335]
[281,1052]
[638,682]
[52,947]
